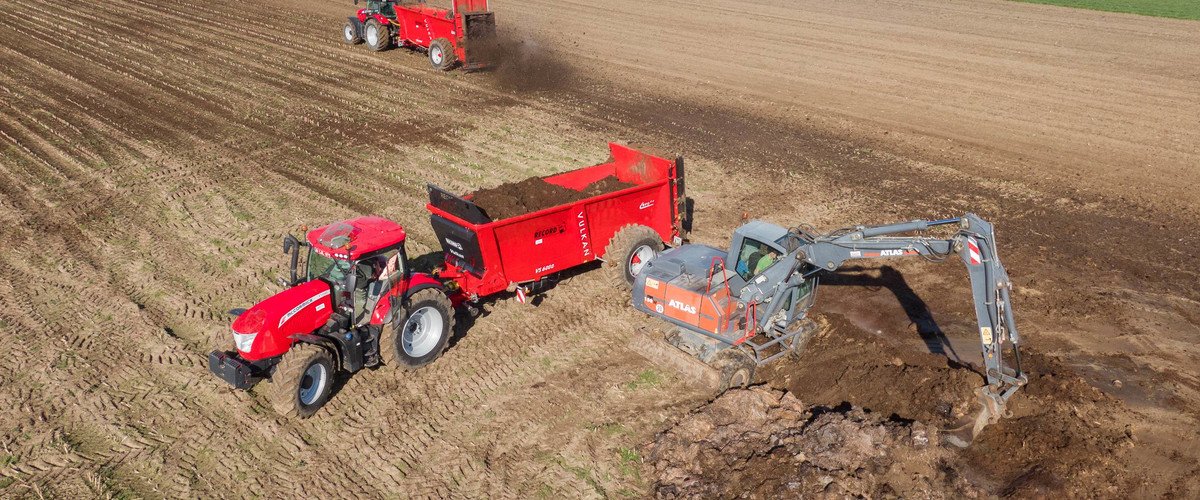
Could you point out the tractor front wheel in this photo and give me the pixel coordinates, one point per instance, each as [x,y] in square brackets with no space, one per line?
[377,36]
[350,34]
[420,332]
[441,54]
[303,381]
[628,252]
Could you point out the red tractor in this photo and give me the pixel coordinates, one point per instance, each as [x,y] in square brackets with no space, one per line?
[354,302]
[444,34]
[355,290]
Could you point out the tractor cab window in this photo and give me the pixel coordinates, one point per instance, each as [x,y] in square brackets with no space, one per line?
[754,258]
[386,8]
[336,272]
[374,276]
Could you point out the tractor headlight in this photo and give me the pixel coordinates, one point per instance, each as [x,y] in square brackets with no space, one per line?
[243,341]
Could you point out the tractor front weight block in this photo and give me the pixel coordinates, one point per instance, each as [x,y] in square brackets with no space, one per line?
[234,370]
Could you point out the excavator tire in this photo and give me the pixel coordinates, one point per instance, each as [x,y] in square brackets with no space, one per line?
[303,381]
[419,334]
[736,370]
[627,251]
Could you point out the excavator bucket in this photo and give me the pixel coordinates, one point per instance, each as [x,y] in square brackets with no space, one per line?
[967,428]
[653,347]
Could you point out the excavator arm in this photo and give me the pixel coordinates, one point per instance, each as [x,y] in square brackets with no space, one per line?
[975,245]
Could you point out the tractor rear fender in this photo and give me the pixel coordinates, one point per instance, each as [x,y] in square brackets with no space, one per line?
[386,308]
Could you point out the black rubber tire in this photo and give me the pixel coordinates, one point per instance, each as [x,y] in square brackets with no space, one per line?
[350,35]
[290,377]
[382,41]
[620,250]
[448,58]
[391,348]
[736,370]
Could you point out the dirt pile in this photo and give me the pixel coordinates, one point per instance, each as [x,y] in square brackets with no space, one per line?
[766,443]
[843,363]
[530,195]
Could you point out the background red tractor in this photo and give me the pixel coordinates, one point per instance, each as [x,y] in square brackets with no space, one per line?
[450,36]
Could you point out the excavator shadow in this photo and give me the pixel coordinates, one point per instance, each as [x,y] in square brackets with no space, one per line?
[914,306]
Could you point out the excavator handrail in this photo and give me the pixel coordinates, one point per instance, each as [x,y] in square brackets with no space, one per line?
[712,265]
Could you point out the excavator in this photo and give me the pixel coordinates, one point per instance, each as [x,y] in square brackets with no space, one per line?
[739,308]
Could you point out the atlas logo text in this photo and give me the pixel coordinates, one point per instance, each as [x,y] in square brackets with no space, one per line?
[690,309]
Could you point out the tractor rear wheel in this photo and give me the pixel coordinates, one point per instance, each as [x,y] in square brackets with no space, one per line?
[303,381]
[441,54]
[377,36]
[420,332]
[628,252]
[350,34]
[736,369]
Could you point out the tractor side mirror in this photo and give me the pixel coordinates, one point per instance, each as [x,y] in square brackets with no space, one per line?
[291,246]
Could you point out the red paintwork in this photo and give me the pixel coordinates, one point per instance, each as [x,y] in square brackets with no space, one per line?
[573,234]
[385,304]
[418,25]
[370,233]
[281,315]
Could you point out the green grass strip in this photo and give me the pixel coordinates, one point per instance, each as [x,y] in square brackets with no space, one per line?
[1178,9]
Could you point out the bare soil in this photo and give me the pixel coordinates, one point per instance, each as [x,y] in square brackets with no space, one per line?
[530,195]
[769,444]
[147,175]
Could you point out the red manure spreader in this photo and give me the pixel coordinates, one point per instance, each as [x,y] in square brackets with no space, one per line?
[452,36]
[353,301]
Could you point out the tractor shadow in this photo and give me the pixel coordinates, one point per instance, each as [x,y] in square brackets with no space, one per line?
[914,306]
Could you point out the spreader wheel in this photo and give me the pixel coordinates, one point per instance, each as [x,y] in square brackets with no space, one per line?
[441,54]
[736,369]
[377,36]
[419,334]
[350,34]
[302,381]
[628,252]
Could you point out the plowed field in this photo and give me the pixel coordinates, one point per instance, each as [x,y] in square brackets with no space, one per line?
[153,153]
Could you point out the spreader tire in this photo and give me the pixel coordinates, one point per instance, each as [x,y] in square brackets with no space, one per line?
[377,36]
[303,381]
[350,34]
[628,251]
[419,333]
[736,370]
[441,54]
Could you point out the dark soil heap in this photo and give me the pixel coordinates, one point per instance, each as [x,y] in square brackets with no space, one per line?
[767,444]
[530,195]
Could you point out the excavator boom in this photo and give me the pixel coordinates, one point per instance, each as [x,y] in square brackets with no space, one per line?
[975,245]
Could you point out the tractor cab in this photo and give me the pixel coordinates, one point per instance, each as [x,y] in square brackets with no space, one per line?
[385,8]
[360,259]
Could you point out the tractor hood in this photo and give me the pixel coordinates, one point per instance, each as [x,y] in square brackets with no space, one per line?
[264,331]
